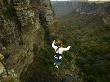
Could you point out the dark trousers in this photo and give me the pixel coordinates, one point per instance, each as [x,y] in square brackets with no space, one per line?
[57,61]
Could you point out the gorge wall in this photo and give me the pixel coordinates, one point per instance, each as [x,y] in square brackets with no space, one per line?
[20,31]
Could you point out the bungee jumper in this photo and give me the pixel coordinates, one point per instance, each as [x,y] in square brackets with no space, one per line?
[59,49]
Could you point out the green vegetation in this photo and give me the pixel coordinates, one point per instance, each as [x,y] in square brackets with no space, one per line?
[42,69]
[90,41]
[88,60]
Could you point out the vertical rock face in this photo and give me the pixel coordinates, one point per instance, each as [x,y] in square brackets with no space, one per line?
[19,26]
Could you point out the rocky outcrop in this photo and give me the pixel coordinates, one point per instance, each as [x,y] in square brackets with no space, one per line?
[19,30]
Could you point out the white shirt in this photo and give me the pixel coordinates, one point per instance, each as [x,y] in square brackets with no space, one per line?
[61,49]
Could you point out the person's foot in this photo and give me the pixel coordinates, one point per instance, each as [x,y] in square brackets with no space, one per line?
[56,66]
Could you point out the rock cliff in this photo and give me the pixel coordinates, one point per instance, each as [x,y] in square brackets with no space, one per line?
[20,30]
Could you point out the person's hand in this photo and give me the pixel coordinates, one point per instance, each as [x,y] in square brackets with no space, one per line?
[69,46]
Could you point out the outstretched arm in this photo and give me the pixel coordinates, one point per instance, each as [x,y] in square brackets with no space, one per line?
[66,49]
[53,45]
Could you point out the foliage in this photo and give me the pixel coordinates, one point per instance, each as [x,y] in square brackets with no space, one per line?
[42,68]
[89,38]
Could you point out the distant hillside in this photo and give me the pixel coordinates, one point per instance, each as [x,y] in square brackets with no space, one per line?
[64,7]
[89,37]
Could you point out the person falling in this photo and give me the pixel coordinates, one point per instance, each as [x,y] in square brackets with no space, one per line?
[59,49]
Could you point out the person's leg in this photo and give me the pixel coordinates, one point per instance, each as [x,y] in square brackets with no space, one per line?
[59,60]
[56,63]
[55,60]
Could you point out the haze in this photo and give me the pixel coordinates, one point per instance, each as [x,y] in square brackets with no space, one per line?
[80,0]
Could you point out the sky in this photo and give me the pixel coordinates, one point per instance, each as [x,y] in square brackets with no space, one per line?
[80,0]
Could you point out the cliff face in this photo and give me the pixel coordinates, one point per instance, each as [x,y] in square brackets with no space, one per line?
[20,25]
